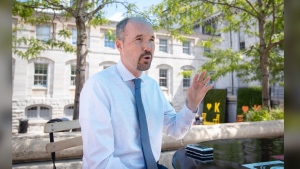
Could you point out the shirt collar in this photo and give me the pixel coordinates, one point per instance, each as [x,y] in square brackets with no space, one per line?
[125,74]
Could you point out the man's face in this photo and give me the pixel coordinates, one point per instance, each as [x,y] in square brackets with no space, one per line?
[138,47]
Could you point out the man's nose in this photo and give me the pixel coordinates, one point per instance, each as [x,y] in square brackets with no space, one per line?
[147,46]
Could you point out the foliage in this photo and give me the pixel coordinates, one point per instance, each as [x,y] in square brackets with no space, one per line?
[186,73]
[247,68]
[264,114]
[260,19]
[85,13]
[35,12]
[248,97]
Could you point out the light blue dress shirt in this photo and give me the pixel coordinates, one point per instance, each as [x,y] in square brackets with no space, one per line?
[109,124]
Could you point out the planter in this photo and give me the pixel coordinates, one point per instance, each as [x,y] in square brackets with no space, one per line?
[239,118]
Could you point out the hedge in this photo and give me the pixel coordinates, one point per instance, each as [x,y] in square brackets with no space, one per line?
[217,99]
[248,97]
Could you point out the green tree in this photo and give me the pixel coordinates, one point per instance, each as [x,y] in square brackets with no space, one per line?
[262,61]
[85,13]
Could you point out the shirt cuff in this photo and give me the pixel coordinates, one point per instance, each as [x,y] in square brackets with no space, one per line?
[190,109]
[187,114]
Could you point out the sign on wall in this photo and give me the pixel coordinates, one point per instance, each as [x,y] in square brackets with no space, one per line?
[248,98]
[214,106]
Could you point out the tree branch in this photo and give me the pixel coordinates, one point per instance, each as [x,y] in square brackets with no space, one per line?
[91,14]
[61,7]
[232,6]
[252,6]
[271,45]
[42,8]
[277,6]
[53,25]
[273,22]
[248,51]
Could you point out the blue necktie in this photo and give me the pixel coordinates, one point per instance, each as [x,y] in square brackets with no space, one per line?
[145,141]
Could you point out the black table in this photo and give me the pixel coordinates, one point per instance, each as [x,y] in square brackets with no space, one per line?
[234,153]
[181,161]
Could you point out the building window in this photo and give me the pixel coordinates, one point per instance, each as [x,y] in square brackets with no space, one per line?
[73,75]
[43,32]
[186,47]
[186,78]
[109,43]
[69,111]
[163,76]
[210,28]
[242,40]
[74,36]
[39,112]
[242,45]
[40,74]
[207,49]
[106,64]
[163,45]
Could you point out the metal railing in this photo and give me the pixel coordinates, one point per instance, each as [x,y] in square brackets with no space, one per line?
[275,91]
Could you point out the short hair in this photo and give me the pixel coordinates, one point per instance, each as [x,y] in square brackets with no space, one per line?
[120,28]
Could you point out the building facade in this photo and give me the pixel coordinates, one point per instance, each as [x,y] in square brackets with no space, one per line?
[44,87]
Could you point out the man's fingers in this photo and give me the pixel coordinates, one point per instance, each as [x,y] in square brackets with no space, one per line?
[209,87]
[199,77]
[202,75]
[206,80]
[196,78]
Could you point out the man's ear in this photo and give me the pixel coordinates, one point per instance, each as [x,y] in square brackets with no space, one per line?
[119,44]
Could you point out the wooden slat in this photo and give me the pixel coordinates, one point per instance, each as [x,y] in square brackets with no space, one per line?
[64,144]
[61,126]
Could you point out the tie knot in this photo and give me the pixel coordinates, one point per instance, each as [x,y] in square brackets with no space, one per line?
[137,83]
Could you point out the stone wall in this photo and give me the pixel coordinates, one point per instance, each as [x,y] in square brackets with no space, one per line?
[17,115]
[38,126]
[30,148]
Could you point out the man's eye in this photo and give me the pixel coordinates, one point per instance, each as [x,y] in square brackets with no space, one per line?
[138,38]
[152,40]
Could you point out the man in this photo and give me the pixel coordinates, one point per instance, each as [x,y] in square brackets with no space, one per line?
[109,117]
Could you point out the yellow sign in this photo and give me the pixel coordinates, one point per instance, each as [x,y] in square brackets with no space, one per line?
[216,107]
[208,105]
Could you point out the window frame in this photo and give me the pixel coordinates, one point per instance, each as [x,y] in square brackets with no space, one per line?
[163,78]
[242,44]
[74,38]
[163,47]
[68,70]
[68,110]
[206,49]
[186,79]
[187,48]
[42,34]
[210,27]
[106,64]
[38,112]
[73,76]
[40,75]
[108,43]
